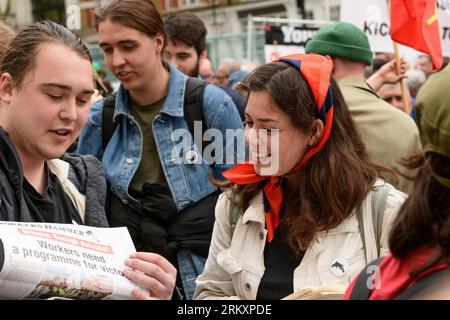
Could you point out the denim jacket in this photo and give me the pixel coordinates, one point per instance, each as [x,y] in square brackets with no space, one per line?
[185,170]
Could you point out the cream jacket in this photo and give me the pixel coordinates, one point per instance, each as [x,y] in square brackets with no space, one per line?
[234,267]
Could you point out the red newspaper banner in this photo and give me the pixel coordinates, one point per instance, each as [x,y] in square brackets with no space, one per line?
[68,240]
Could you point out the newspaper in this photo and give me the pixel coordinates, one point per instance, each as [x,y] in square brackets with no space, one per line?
[48,260]
[326,292]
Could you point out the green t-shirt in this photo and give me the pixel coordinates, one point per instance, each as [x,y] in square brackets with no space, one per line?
[149,169]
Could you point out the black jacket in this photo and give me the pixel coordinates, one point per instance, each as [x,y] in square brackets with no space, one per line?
[85,172]
[159,228]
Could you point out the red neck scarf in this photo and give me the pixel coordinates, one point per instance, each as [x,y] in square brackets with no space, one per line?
[316,70]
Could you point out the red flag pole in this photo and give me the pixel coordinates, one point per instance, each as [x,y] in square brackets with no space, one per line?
[404,89]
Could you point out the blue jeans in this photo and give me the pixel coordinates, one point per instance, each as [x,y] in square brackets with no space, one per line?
[190,267]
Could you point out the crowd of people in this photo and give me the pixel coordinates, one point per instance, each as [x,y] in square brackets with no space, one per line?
[233,184]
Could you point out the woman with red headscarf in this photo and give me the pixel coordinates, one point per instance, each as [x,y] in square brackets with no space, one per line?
[299,196]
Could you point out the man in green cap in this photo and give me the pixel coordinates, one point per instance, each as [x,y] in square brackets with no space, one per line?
[389,134]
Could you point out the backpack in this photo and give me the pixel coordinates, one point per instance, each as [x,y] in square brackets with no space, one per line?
[193,111]
[198,217]
[362,290]
[370,220]
[368,215]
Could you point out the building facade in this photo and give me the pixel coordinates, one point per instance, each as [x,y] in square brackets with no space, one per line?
[225,20]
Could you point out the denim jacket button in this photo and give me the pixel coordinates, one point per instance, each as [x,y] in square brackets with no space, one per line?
[129,161]
[191,156]
[124,201]
[247,286]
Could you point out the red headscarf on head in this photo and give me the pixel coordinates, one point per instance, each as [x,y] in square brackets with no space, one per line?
[317,71]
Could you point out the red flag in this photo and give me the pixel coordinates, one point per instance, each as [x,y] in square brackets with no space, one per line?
[414,23]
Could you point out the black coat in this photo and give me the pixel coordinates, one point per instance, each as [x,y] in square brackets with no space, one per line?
[158,227]
[85,173]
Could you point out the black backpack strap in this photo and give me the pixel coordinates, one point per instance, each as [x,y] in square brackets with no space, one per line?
[108,124]
[193,107]
[361,290]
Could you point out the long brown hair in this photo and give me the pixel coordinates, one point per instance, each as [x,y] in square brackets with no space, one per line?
[140,15]
[20,56]
[335,181]
[424,217]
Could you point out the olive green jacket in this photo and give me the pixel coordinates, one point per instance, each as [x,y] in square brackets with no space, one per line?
[432,113]
[389,134]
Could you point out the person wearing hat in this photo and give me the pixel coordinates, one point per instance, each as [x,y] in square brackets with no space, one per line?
[419,240]
[389,134]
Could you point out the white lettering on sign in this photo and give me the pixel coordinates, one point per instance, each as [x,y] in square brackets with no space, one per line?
[292,35]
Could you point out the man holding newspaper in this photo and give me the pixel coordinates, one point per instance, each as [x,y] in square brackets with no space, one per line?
[45,93]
